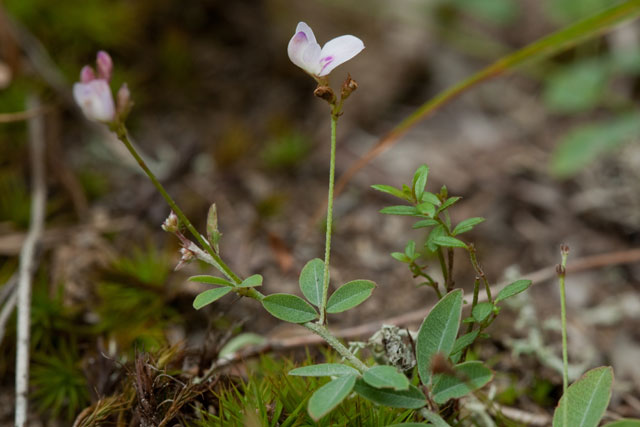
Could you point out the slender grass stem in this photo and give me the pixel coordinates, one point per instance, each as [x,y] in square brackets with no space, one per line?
[327,246]
[562,270]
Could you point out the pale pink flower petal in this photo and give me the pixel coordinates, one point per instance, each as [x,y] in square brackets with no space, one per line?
[105,65]
[306,53]
[87,74]
[338,51]
[95,100]
[303,48]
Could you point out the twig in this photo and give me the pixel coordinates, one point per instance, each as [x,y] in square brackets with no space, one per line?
[367,329]
[11,298]
[27,255]
[23,115]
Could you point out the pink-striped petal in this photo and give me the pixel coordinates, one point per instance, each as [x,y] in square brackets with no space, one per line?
[338,51]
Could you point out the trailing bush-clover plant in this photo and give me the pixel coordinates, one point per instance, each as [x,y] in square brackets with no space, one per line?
[424,375]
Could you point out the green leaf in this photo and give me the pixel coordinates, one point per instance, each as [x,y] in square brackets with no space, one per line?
[481,311]
[324,370]
[435,233]
[427,209]
[384,376]
[210,280]
[585,400]
[409,425]
[565,11]
[239,342]
[251,281]
[461,343]
[401,257]
[213,234]
[431,198]
[289,308]
[585,144]
[209,296]
[311,281]
[425,223]
[389,190]
[350,295]
[400,210]
[469,376]
[410,249]
[466,225]
[434,418]
[327,397]
[420,181]
[513,289]
[412,398]
[449,242]
[438,332]
[500,12]
[577,87]
[627,422]
[448,203]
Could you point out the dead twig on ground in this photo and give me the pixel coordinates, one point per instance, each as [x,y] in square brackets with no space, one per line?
[27,259]
[8,296]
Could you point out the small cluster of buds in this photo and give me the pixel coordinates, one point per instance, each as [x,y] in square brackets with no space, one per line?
[170,225]
[93,94]
[186,256]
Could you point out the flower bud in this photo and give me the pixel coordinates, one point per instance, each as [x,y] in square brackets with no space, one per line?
[87,74]
[170,225]
[123,101]
[186,257]
[95,100]
[105,65]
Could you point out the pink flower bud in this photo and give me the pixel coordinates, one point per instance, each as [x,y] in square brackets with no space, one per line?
[105,65]
[87,74]
[95,100]
[123,99]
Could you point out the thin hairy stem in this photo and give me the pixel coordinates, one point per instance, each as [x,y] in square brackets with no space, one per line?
[327,245]
[336,344]
[121,132]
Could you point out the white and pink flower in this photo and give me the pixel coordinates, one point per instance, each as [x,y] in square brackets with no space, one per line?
[93,94]
[306,53]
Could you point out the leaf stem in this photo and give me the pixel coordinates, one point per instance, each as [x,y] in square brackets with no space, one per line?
[336,344]
[476,266]
[327,247]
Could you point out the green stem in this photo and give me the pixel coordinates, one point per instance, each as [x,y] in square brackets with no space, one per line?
[336,344]
[563,313]
[121,132]
[443,267]
[327,246]
[476,266]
